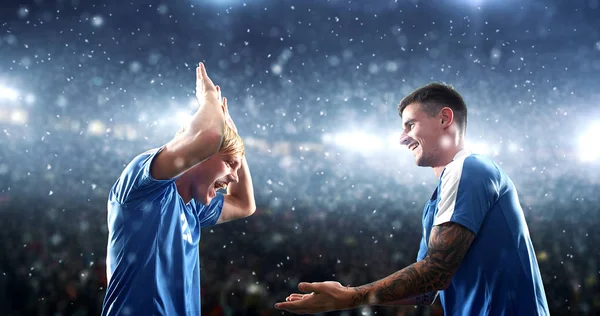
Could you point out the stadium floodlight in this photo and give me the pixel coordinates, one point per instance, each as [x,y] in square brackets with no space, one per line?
[96,127]
[513,147]
[589,146]
[359,142]
[7,93]
[19,117]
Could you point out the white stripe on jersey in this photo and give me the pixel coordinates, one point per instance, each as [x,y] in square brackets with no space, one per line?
[449,189]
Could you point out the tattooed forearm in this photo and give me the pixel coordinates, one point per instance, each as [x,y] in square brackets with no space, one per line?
[448,245]
[426,299]
[361,295]
[421,300]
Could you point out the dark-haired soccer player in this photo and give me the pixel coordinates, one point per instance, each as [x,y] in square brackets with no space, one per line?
[475,251]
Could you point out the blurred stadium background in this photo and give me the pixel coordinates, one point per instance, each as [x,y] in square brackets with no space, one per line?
[313,86]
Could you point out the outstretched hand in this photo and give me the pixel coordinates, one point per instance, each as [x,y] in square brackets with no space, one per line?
[228,119]
[320,297]
[206,91]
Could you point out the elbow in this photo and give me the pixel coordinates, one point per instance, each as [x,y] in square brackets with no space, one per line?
[251,209]
[431,296]
[443,286]
[247,209]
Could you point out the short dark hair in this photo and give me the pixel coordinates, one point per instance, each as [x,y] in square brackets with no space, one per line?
[435,96]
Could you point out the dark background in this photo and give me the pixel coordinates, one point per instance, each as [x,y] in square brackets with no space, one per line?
[313,88]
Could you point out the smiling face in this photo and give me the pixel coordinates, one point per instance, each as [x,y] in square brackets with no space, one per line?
[216,172]
[434,120]
[423,135]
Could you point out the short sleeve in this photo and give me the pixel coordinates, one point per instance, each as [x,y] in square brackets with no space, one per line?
[208,215]
[469,188]
[422,249]
[136,181]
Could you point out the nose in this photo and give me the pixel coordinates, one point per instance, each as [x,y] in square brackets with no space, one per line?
[233,177]
[404,139]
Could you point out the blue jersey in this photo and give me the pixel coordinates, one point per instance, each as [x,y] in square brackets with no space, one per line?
[499,274]
[153,264]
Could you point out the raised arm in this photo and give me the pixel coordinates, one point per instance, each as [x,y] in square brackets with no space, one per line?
[239,200]
[200,139]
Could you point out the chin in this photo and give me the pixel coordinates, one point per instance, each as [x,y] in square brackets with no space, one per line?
[422,162]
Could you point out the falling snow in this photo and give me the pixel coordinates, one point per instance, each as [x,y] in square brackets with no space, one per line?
[313,87]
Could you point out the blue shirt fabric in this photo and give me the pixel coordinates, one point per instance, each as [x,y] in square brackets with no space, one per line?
[499,275]
[153,264]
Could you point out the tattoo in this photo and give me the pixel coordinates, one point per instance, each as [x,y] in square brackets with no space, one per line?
[448,245]
[361,297]
[426,299]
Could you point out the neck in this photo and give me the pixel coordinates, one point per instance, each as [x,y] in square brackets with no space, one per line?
[184,188]
[446,158]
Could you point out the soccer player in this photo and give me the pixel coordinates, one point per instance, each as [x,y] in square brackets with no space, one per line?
[161,200]
[475,251]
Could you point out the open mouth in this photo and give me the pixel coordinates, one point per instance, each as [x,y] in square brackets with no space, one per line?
[413,146]
[220,185]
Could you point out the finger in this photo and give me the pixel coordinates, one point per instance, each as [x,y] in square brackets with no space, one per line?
[295,297]
[290,306]
[308,287]
[205,78]
[224,108]
[225,103]
[198,79]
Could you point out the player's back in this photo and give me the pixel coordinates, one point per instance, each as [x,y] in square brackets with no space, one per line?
[499,275]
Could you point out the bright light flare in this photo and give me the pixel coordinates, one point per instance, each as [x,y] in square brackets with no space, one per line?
[19,117]
[357,141]
[96,127]
[589,144]
[183,118]
[479,148]
[9,94]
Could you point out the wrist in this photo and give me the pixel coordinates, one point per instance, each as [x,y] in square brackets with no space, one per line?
[361,296]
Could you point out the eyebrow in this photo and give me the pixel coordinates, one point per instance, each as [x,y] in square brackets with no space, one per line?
[237,163]
[408,122]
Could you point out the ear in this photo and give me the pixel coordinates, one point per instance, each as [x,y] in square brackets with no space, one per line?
[447,117]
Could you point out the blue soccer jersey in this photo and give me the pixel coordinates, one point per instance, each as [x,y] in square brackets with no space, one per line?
[499,274]
[153,265]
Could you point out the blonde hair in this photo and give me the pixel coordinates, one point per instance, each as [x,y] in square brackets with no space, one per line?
[232,144]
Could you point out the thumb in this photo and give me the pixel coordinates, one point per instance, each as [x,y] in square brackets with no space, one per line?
[224,105]
[308,287]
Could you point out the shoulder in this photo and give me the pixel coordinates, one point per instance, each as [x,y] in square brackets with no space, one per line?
[470,166]
[140,162]
[134,176]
